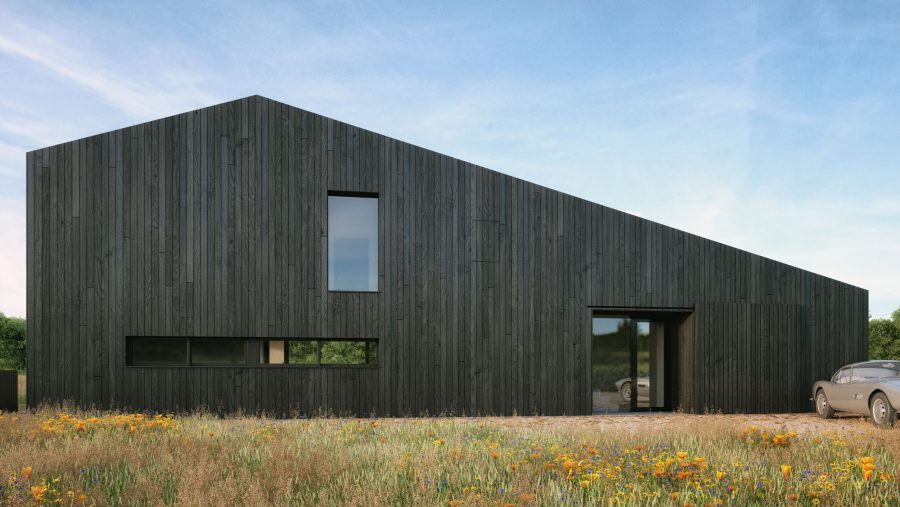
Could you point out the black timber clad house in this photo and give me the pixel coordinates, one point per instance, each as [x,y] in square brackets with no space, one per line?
[481,294]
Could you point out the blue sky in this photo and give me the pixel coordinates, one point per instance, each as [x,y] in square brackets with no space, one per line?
[772,127]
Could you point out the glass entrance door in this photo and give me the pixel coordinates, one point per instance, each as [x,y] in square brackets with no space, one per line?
[627,364]
[611,364]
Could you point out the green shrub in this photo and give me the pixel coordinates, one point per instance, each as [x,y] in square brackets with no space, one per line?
[12,343]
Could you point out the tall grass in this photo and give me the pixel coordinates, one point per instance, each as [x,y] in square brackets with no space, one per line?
[84,458]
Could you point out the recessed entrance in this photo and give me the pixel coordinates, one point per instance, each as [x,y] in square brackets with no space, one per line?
[628,364]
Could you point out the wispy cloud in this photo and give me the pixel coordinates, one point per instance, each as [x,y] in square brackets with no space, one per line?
[766,134]
[68,61]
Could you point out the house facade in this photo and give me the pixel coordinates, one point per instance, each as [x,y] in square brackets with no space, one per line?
[255,256]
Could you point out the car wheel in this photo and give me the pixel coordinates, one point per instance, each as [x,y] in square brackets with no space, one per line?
[625,392]
[883,414]
[823,408]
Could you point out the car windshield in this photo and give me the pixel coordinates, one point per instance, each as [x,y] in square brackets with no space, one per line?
[877,370]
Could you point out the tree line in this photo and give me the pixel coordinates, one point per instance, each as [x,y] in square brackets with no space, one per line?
[884,337]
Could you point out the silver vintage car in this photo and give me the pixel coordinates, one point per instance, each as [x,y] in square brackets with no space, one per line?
[869,388]
[626,389]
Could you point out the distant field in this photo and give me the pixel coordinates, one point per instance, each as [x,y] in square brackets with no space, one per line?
[84,458]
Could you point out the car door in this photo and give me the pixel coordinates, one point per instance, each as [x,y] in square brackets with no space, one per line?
[643,389]
[865,379]
[840,396]
[860,387]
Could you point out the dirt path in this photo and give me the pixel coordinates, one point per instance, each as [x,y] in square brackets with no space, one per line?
[800,423]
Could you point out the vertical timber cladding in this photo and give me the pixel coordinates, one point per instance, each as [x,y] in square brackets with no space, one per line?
[214,223]
[747,358]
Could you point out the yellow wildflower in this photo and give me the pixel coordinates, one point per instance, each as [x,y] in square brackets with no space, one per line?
[39,491]
[786,470]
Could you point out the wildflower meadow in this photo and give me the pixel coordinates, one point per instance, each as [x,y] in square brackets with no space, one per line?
[76,458]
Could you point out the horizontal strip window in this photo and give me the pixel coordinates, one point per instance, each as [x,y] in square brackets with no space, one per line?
[319,352]
[213,351]
[155,351]
[184,351]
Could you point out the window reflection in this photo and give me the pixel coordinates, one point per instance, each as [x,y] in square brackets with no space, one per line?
[627,364]
[611,364]
[215,351]
[320,352]
[352,243]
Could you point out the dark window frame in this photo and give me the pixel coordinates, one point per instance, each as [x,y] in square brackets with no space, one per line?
[367,195]
[129,357]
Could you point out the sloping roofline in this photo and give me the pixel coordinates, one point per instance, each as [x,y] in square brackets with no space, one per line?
[257,96]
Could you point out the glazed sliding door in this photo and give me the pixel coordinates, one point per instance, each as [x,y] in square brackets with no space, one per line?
[611,377]
[627,364]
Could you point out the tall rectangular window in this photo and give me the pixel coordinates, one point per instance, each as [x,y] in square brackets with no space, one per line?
[353,243]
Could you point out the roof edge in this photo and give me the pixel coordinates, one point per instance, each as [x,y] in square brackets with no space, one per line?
[258,96]
[218,104]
